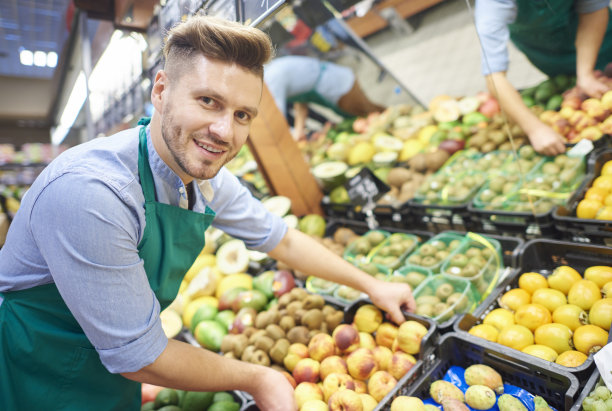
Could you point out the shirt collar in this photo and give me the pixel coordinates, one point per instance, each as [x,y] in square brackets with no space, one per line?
[160,168]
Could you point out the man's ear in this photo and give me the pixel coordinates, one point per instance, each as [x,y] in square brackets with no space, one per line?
[157,92]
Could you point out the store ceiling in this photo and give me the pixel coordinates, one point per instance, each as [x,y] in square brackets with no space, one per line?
[35,25]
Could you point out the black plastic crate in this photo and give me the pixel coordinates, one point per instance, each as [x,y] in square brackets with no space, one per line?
[588,387]
[360,227]
[513,223]
[385,215]
[544,256]
[437,218]
[585,230]
[427,343]
[558,388]
[338,210]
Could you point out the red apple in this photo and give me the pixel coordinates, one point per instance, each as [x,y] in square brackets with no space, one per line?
[244,318]
[451,146]
[321,346]
[361,364]
[333,364]
[400,364]
[346,337]
[380,384]
[490,107]
[283,282]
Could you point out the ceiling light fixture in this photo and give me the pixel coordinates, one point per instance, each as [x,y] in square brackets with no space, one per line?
[77,98]
[40,58]
[26,57]
[51,59]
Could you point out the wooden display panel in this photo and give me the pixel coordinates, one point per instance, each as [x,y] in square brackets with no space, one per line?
[280,160]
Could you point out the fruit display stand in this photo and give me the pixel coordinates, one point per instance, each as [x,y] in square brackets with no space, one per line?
[558,388]
[590,230]
[543,256]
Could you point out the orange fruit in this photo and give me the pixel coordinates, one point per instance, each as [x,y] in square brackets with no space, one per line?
[600,313]
[532,316]
[515,336]
[588,208]
[604,213]
[486,331]
[563,277]
[549,298]
[571,358]
[584,293]
[590,338]
[556,336]
[541,351]
[606,170]
[604,181]
[596,193]
[608,200]
[570,315]
[532,281]
[499,318]
[514,298]
[599,274]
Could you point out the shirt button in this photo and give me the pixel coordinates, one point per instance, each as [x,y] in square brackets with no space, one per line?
[182,190]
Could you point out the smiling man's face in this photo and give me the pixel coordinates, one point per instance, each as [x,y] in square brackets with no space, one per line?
[206,115]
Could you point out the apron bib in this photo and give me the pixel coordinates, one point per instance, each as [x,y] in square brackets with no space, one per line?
[545,31]
[47,361]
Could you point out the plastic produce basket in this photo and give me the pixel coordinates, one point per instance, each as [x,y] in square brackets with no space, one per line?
[446,238]
[558,388]
[544,256]
[588,388]
[510,247]
[582,229]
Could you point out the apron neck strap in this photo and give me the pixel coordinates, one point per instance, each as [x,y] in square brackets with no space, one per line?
[144,170]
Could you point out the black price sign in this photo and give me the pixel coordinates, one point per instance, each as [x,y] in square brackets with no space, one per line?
[365,187]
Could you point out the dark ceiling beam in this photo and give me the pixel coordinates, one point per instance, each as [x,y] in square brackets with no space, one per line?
[133,15]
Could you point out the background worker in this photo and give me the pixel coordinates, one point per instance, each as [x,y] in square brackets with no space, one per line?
[105,234]
[301,80]
[558,37]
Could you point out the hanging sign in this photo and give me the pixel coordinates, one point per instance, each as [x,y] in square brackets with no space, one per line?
[365,187]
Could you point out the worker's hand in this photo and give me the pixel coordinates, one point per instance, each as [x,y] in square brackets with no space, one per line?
[392,298]
[591,85]
[546,141]
[273,392]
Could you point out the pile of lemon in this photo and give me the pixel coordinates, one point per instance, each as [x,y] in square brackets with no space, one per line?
[561,318]
[597,202]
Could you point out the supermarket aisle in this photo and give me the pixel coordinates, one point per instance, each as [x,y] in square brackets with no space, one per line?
[442,56]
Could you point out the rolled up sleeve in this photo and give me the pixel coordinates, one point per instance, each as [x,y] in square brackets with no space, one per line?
[88,234]
[492,18]
[590,6]
[242,216]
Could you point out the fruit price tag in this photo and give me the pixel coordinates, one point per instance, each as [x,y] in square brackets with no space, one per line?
[365,187]
[581,149]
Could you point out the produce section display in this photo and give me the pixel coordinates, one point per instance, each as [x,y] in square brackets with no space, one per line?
[168,399]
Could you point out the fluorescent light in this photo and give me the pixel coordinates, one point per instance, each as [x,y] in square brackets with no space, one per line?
[77,98]
[26,57]
[51,59]
[40,58]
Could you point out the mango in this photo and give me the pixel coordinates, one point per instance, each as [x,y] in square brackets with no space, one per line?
[480,397]
[454,405]
[441,391]
[507,402]
[480,374]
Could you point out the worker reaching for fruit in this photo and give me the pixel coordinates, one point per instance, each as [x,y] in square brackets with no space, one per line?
[108,230]
[558,37]
[301,80]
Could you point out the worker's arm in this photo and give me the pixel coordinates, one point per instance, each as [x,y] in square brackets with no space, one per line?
[183,366]
[591,31]
[543,138]
[300,113]
[301,252]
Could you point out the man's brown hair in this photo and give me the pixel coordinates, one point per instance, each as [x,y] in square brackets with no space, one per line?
[217,39]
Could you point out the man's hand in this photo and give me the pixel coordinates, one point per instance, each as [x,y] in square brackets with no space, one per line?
[392,297]
[592,86]
[273,392]
[546,141]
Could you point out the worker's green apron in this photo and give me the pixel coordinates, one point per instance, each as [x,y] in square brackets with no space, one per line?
[47,362]
[545,31]
[312,96]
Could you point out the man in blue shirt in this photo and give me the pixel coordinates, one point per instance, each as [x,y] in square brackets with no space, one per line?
[106,232]
[558,37]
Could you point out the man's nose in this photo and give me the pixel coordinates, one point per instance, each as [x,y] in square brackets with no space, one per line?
[223,126]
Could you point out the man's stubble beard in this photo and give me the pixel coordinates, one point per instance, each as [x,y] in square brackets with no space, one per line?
[171,136]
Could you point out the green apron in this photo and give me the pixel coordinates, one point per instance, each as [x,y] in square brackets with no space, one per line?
[312,96]
[545,31]
[47,361]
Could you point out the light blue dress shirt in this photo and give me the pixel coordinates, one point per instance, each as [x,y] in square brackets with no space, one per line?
[492,20]
[79,226]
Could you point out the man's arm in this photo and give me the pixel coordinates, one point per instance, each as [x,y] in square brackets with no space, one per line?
[543,138]
[301,252]
[591,30]
[183,366]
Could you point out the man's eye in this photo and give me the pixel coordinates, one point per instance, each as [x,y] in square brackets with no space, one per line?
[242,115]
[207,100]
